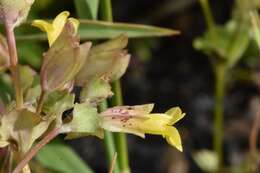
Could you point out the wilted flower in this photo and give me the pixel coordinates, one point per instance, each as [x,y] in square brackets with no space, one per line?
[138,120]
[54,29]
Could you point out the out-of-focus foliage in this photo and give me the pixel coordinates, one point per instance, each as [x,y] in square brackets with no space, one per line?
[61,158]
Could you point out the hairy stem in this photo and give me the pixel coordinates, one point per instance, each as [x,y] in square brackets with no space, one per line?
[51,135]
[14,64]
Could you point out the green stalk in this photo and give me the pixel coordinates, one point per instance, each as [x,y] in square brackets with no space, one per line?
[209,17]
[120,138]
[14,66]
[109,142]
[109,138]
[106,10]
[220,72]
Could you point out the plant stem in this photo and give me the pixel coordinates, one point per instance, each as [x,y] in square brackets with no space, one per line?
[220,72]
[51,135]
[109,142]
[120,138]
[106,10]
[14,64]
[209,17]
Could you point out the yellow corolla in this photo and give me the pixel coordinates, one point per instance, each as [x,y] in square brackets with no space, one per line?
[54,29]
[139,121]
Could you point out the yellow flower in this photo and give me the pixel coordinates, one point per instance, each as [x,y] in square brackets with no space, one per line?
[54,30]
[138,120]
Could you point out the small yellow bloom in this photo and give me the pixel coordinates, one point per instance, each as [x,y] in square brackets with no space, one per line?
[138,120]
[54,30]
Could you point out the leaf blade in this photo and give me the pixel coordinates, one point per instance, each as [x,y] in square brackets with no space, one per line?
[93,30]
[60,157]
[87,9]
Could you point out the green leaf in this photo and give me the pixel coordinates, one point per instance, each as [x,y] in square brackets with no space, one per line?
[22,126]
[85,120]
[62,158]
[27,77]
[239,42]
[87,9]
[232,42]
[92,30]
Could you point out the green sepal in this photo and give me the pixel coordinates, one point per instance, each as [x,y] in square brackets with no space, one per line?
[95,91]
[85,122]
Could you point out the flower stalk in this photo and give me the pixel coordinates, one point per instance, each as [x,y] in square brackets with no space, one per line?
[109,142]
[120,138]
[209,17]
[28,157]
[220,76]
[220,85]
[14,63]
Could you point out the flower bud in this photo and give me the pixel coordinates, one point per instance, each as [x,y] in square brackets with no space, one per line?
[108,60]
[63,60]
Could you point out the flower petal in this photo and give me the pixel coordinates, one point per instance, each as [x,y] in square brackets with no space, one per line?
[43,25]
[156,124]
[75,23]
[139,111]
[173,137]
[175,114]
[121,124]
[60,20]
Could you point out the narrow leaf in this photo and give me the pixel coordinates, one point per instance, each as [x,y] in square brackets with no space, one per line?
[87,9]
[91,30]
[61,158]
